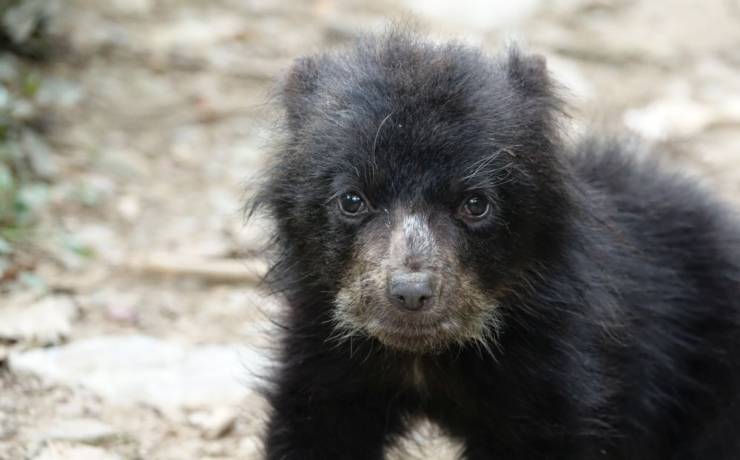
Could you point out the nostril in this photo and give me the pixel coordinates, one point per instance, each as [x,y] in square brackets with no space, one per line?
[410,290]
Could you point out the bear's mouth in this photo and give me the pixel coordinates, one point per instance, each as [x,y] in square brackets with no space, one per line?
[413,336]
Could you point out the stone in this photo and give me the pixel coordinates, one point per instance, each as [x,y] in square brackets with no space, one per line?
[214,423]
[670,118]
[132,7]
[45,322]
[250,448]
[140,370]
[129,207]
[81,430]
[39,154]
[476,14]
[21,20]
[194,33]
[7,428]
[74,452]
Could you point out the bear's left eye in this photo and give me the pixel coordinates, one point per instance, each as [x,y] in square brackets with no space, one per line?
[475,207]
[351,203]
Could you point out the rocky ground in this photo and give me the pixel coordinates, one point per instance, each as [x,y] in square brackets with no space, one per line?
[141,332]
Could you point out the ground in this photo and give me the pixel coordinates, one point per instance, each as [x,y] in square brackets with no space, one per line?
[161,121]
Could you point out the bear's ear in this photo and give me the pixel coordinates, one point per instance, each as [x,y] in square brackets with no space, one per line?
[528,73]
[539,105]
[297,89]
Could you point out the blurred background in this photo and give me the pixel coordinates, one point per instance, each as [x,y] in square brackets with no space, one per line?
[131,323]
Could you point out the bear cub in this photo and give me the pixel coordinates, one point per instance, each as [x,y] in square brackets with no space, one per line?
[445,254]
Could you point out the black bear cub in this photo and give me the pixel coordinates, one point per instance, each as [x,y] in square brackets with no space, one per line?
[446,255]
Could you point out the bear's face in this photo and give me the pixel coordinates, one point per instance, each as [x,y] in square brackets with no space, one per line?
[412,188]
[409,283]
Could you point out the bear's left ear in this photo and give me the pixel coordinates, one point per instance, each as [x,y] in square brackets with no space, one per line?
[528,73]
[297,88]
[539,106]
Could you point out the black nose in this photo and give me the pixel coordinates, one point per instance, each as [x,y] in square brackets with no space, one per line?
[411,290]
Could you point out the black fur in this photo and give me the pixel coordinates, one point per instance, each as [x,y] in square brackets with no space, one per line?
[618,283]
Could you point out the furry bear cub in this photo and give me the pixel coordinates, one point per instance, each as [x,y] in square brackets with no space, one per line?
[445,254]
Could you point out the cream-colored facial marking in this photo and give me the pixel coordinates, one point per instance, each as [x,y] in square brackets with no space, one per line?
[412,240]
[461,311]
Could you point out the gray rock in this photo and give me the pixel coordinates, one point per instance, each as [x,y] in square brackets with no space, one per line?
[250,448]
[132,7]
[39,154]
[71,452]
[670,118]
[214,423]
[82,430]
[131,370]
[44,322]
[21,20]
[476,14]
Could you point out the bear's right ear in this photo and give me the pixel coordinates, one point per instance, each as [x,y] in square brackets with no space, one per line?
[297,90]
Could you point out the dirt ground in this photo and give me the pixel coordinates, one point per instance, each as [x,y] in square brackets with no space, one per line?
[161,125]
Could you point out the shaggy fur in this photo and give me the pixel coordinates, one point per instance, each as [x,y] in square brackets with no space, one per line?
[595,313]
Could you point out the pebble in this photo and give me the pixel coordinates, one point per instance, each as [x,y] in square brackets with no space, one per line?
[475,14]
[132,7]
[44,322]
[670,118]
[81,430]
[140,370]
[74,452]
[250,448]
[214,423]
[20,18]
[40,155]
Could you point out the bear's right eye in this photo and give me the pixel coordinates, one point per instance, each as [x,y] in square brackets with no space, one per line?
[351,203]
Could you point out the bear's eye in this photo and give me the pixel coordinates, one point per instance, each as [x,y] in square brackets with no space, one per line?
[351,203]
[475,207]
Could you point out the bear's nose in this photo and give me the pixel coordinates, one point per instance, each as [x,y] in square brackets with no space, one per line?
[412,291]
